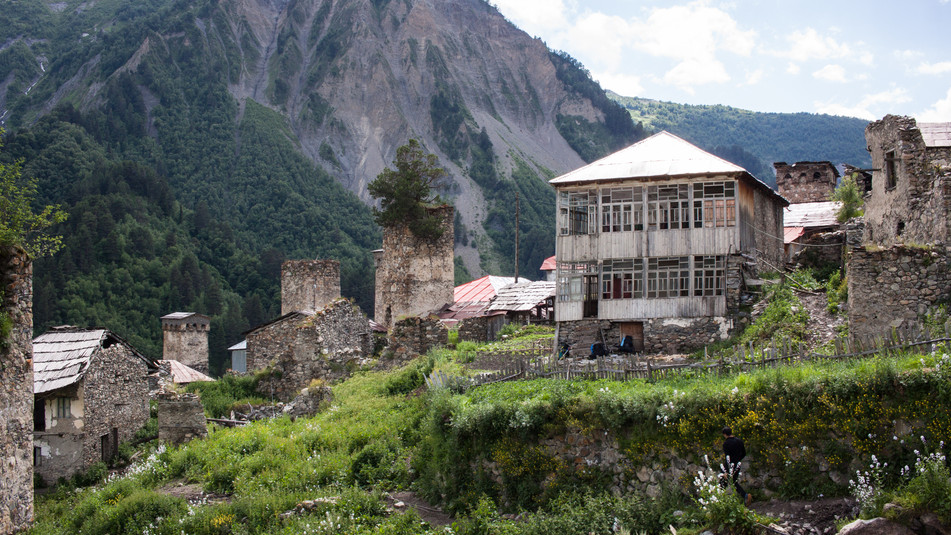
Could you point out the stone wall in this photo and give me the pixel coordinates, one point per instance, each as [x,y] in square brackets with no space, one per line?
[309,284]
[894,287]
[819,250]
[414,276]
[806,181]
[16,392]
[329,344]
[187,342]
[915,208]
[414,336]
[181,418]
[661,335]
[481,328]
[768,231]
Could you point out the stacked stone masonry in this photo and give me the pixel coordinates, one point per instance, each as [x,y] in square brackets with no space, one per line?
[105,408]
[16,392]
[412,337]
[181,418]
[298,348]
[309,284]
[895,287]
[414,276]
[806,181]
[910,197]
[186,341]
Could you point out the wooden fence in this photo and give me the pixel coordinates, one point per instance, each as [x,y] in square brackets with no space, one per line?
[541,363]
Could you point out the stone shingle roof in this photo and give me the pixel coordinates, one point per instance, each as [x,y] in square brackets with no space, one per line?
[522,296]
[61,356]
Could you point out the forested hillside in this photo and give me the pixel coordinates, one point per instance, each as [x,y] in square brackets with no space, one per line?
[755,140]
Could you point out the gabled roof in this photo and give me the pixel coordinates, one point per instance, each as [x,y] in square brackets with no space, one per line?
[662,155]
[182,374]
[240,346]
[61,356]
[522,296]
[549,264]
[297,314]
[811,214]
[482,289]
[936,134]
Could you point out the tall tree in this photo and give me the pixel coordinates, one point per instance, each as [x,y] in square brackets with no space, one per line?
[406,192]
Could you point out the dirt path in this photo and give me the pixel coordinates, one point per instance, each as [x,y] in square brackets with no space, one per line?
[817,517]
[822,324]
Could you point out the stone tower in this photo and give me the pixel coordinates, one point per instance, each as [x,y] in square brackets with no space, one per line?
[414,276]
[16,392]
[308,284]
[185,339]
[806,181]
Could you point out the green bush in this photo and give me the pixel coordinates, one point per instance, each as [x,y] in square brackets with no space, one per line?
[221,396]
[410,377]
[837,291]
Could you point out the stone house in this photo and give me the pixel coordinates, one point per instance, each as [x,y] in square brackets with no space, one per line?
[185,339]
[414,276]
[90,393]
[655,242]
[16,387]
[329,343]
[910,195]
[804,182]
[809,234]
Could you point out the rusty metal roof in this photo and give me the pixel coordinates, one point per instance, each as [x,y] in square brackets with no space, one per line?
[936,134]
[61,356]
[522,296]
[482,290]
[182,374]
[549,264]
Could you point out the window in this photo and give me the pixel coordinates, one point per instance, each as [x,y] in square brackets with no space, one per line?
[62,407]
[621,209]
[668,207]
[668,276]
[714,204]
[39,415]
[708,272]
[571,280]
[577,212]
[891,170]
[622,279]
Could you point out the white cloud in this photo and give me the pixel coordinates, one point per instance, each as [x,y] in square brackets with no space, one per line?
[939,113]
[809,45]
[623,84]
[908,55]
[792,69]
[601,37]
[534,16]
[754,77]
[862,109]
[831,73]
[942,67]
[696,71]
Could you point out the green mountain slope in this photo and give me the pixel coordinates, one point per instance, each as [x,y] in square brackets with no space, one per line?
[755,140]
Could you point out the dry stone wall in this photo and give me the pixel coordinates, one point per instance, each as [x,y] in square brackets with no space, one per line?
[16,392]
[414,276]
[894,287]
[412,337]
[181,418]
[309,284]
[328,345]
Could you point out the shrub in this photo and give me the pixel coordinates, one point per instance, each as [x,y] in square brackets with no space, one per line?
[837,291]
[409,377]
[221,396]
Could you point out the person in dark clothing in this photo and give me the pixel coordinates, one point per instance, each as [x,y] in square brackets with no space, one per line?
[735,451]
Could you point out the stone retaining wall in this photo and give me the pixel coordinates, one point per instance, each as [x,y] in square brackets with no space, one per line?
[16,392]
[894,287]
[181,418]
[412,337]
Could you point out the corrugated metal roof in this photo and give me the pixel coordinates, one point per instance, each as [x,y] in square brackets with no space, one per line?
[522,296]
[183,374]
[662,154]
[242,345]
[60,358]
[461,311]
[549,264]
[811,214]
[936,134]
[482,289]
[791,234]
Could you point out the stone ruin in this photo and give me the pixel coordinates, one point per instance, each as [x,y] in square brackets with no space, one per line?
[806,181]
[309,284]
[414,336]
[181,417]
[414,276]
[16,392]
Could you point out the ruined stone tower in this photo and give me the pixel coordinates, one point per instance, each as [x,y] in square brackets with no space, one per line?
[806,181]
[414,276]
[308,284]
[16,392]
[185,339]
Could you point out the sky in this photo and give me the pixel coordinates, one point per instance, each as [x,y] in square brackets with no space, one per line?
[852,58]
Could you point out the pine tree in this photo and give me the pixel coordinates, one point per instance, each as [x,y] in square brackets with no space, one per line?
[406,192]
